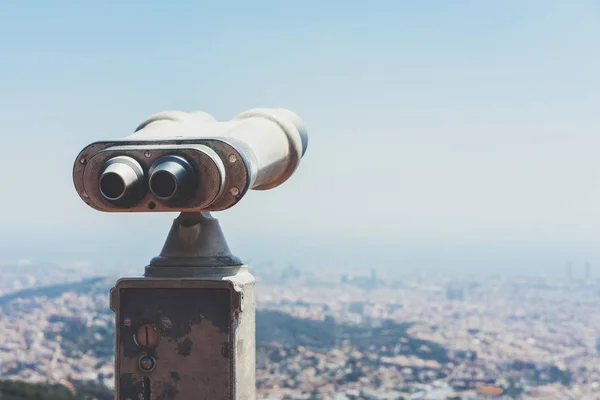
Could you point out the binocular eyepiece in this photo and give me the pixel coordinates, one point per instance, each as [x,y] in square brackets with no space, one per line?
[178,161]
[120,177]
[171,177]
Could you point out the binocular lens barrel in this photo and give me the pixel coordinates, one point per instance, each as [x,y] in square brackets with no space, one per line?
[190,162]
[119,178]
[171,178]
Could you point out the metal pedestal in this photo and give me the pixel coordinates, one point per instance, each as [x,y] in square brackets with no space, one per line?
[186,330]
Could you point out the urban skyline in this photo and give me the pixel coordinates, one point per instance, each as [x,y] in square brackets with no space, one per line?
[538,335]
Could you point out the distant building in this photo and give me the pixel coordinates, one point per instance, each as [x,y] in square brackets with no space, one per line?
[490,391]
[373,277]
[455,293]
[364,282]
[431,392]
[356,308]
[588,272]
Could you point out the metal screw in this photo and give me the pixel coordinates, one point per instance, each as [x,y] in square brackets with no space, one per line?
[234,191]
[148,154]
[232,158]
[127,321]
[82,160]
[84,194]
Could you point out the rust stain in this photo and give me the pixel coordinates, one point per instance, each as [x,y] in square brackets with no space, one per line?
[168,393]
[185,348]
[225,349]
[192,352]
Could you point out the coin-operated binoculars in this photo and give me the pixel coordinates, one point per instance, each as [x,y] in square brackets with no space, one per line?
[186,329]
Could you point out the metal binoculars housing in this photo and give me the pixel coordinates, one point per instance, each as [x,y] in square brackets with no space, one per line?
[190,162]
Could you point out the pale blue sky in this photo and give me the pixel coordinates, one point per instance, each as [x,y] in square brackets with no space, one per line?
[441,133]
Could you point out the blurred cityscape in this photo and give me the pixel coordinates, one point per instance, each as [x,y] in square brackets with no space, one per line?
[340,336]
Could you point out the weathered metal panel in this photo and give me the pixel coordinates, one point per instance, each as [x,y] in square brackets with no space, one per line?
[189,334]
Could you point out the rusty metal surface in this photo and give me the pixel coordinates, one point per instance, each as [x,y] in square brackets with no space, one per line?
[193,353]
[214,192]
[206,343]
[259,149]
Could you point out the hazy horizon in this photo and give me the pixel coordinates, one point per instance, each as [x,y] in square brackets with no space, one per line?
[481,259]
